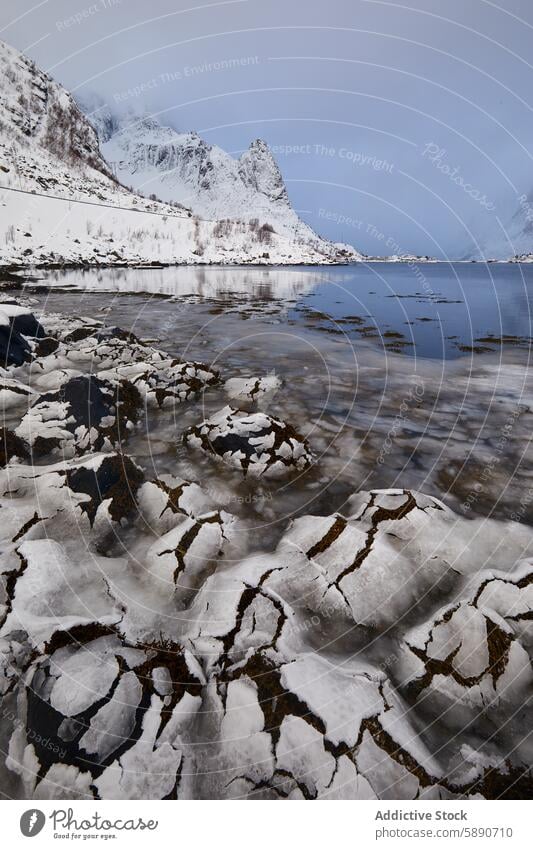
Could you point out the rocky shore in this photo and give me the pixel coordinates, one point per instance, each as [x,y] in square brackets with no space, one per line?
[148,650]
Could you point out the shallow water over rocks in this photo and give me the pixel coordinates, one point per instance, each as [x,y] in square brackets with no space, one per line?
[176,628]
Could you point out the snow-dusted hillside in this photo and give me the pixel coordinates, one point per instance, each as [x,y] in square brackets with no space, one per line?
[60,203]
[182,167]
[512,237]
[517,241]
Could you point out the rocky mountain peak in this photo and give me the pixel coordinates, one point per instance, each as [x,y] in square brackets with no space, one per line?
[259,170]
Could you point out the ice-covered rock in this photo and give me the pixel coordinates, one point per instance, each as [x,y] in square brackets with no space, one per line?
[464,661]
[86,413]
[368,569]
[181,560]
[164,501]
[253,390]
[256,444]
[113,354]
[91,703]
[79,499]
[13,393]
[309,729]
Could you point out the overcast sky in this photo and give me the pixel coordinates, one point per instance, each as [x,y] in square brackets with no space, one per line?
[409,123]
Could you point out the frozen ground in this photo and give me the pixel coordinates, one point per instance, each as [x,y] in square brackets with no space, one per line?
[172,627]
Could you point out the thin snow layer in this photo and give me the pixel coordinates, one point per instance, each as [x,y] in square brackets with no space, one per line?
[257,391]
[147,651]
[257,444]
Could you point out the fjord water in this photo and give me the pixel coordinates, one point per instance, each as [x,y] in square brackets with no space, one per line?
[429,310]
[399,375]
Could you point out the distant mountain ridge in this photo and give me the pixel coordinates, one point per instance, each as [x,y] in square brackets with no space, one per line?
[157,160]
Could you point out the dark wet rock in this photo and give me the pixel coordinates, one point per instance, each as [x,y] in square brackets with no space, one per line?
[12,446]
[46,345]
[14,348]
[116,479]
[17,326]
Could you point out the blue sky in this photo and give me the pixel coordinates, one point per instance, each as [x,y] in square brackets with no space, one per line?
[398,126]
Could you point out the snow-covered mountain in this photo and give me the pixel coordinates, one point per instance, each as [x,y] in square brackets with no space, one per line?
[157,160]
[183,167]
[516,240]
[511,233]
[60,202]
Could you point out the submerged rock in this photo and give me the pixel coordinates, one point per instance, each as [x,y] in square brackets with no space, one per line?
[256,444]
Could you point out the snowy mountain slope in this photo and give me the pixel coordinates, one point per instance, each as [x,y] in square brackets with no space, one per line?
[511,235]
[157,160]
[36,111]
[517,236]
[60,203]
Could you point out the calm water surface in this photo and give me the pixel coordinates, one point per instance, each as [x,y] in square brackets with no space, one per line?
[433,310]
[399,376]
